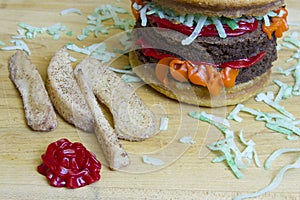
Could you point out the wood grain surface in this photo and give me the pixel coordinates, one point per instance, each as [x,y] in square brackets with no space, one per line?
[188,172]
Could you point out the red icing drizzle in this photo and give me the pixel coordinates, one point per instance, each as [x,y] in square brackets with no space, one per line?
[149,51]
[209,30]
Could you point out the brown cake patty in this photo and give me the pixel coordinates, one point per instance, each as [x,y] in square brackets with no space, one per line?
[209,58]
[211,49]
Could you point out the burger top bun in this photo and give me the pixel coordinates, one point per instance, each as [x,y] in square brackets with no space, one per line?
[226,8]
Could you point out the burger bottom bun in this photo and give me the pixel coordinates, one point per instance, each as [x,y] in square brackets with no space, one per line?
[198,95]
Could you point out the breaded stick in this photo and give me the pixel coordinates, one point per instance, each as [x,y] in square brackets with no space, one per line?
[65,93]
[114,153]
[133,120]
[39,112]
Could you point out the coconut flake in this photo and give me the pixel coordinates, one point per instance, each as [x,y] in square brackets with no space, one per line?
[266,20]
[275,182]
[19,45]
[187,140]
[122,71]
[277,153]
[70,10]
[231,154]
[219,27]
[143,14]
[263,97]
[127,78]
[152,161]
[164,122]
[233,115]
[195,33]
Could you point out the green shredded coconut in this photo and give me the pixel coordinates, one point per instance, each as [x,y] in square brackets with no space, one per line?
[75,48]
[231,154]
[294,70]
[55,30]
[296,74]
[69,33]
[285,91]
[97,51]
[274,121]
[288,45]
[231,23]
[126,67]
[81,37]
[292,41]
[96,21]
[234,113]
[32,31]
[263,97]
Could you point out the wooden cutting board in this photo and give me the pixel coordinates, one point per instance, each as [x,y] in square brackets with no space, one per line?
[188,172]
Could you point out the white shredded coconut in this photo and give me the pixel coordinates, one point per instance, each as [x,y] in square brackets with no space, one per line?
[219,27]
[187,140]
[277,153]
[122,71]
[143,14]
[235,158]
[95,21]
[136,6]
[152,161]
[97,51]
[275,182]
[274,121]
[196,31]
[19,45]
[164,122]
[2,43]
[266,20]
[127,78]
[70,10]
[189,20]
[215,118]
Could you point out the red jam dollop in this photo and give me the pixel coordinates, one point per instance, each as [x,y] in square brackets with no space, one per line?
[71,165]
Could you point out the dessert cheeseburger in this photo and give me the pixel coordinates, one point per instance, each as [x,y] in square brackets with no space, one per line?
[210,52]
